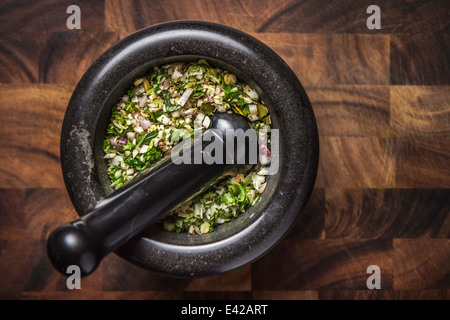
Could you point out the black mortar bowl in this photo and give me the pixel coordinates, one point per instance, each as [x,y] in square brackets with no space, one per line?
[235,243]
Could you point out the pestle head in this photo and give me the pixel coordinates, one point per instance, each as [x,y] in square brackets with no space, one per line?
[239,136]
[224,121]
[70,245]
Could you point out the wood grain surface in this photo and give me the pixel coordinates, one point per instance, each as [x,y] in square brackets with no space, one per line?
[382,102]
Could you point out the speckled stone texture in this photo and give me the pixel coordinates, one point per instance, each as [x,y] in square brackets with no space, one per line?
[254,233]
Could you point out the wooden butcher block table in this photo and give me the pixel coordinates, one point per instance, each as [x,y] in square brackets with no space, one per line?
[382,102]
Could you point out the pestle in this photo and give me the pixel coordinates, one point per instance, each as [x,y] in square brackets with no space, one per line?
[143,201]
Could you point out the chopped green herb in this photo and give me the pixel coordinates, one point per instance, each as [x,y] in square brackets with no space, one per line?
[138,137]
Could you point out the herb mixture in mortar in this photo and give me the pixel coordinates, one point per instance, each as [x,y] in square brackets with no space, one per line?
[170,103]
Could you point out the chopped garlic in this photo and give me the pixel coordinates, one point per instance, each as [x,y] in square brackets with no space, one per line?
[206,122]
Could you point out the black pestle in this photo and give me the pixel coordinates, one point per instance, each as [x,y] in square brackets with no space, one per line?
[133,208]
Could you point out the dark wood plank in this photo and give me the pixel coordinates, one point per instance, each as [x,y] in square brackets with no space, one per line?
[312,16]
[425,16]
[45,210]
[317,16]
[400,162]
[129,16]
[422,294]
[41,212]
[311,221]
[124,276]
[33,109]
[355,162]
[32,116]
[421,264]
[388,294]
[137,295]
[68,55]
[101,295]
[127,277]
[320,60]
[31,161]
[15,266]
[26,268]
[12,222]
[322,264]
[356,110]
[47,16]
[237,280]
[375,294]
[216,295]
[349,16]
[286,295]
[422,162]
[20,57]
[387,213]
[420,60]
[420,110]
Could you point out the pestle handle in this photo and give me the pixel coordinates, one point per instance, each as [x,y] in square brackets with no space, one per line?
[131,209]
[128,212]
